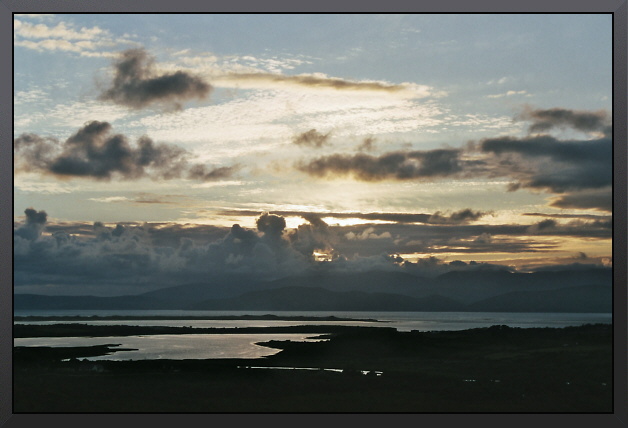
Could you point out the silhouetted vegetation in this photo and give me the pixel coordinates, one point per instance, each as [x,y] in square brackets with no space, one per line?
[495,369]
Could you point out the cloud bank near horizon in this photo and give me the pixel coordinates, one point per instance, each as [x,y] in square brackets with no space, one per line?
[170,254]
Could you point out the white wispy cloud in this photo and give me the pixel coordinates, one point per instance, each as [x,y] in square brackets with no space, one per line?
[110,199]
[85,41]
[509,94]
[59,31]
[36,95]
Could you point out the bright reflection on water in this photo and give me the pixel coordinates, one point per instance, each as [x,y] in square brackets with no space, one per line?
[175,347]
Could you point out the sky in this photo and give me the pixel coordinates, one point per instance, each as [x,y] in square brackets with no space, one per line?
[158,149]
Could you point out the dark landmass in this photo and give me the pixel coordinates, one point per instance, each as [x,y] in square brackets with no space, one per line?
[38,355]
[583,290]
[495,369]
[266,317]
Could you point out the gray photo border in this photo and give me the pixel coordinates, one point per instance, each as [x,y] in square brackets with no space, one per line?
[617,7]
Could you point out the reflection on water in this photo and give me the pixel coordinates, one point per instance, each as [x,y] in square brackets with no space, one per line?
[176,347]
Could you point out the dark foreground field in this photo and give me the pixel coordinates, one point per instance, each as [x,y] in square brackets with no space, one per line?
[496,369]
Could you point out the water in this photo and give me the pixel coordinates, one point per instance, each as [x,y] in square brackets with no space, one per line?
[192,346]
[402,321]
[172,346]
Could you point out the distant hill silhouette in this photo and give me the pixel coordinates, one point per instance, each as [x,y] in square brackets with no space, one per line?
[321,299]
[578,290]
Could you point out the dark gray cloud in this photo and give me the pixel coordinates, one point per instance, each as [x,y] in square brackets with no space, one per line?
[599,200]
[33,225]
[580,171]
[570,151]
[271,224]
[545,163]
[136,84]
[311,138]
[389,166]
[457,217]
[94,152]
[543,120]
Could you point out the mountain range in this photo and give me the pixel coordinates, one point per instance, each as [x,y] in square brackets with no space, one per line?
[578,290]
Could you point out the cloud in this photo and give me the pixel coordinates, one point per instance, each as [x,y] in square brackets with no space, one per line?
[60,31]
[143,198]
[458,217]
[320,81]
[64,37]
[580,170]
[271,224]
[314,236]
[368,233]
[508,94]
[368,145]
[545,120]
[599,200]
[137,84]
[33,226]
[545,162]
[572,216]
[462,216]
[389,166]
[139,256]
[93,152]
[111,199]
[202,173]
[467,238]
[311,138]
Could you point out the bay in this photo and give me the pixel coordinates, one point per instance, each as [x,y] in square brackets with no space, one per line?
[207,346]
